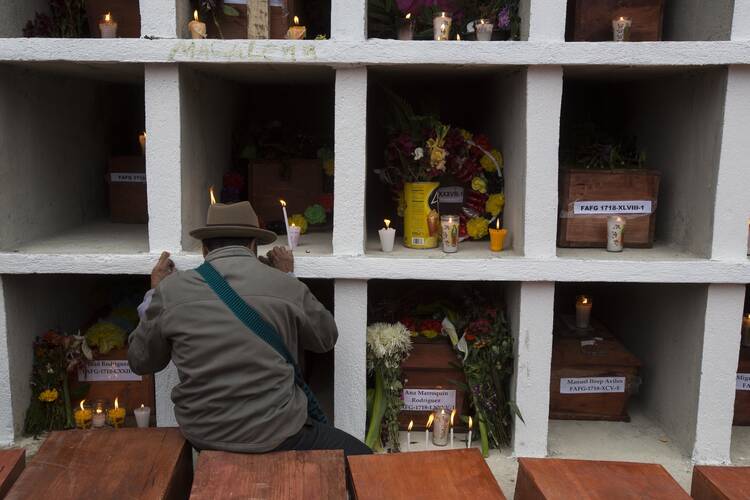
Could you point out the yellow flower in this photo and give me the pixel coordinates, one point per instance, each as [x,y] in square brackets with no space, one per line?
[328,167]
[299,221]
[466,134]
[430,334]
[437,153]
[477,228]
[488,165]
[48,396]
[478,184]
[495,204]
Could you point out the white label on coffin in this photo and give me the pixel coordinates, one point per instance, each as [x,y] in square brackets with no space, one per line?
[591,385]
[612,207]
[428,399]
[108,370]
[451,194]
[127,177]
[743,381]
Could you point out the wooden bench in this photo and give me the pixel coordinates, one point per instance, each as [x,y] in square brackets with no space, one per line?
[550,478]
[153,463]
[720,483]
[12,462]
[311,475]
[434,475]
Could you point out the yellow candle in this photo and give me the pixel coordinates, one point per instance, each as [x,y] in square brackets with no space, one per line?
[296,32]
[116,415]
[83,416]
[497,237]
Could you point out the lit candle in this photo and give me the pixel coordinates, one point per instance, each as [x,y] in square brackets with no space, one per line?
[296,32]
[746,330]
[440,430]
[583,311]
[83,417]
[427,431]
[387,236]
[142,416]
[293,235]
[621,29]
[458,37]
[116,415]
[108,26]
[497,237]
[286,223]
[441,26]
[449,225]
[196,27]
[100,417]
[408,435]
[453,414]
[142,141]
[615,229]
[468,440]
[211,195]
[406,28]
[483,29]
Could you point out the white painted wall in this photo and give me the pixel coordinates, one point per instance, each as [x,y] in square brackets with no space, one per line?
[159,18]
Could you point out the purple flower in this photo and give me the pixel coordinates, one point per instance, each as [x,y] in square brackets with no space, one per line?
[503,18]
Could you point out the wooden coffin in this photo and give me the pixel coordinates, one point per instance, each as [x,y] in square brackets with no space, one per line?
[591,379]
[583,222]
[720,483]
[432,366]
[742,394]
[236,27]
[591,20]
[127,190]
[131,393]
[12,463]
[127,14]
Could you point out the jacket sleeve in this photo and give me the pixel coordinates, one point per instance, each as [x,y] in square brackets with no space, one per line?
[148,351]
[319,332]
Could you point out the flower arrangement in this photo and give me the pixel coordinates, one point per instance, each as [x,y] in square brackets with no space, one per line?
[105,336]
[388,344]
[66,19]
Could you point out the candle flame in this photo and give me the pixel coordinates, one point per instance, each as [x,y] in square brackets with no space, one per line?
[408,16]
[296,21]
[442,28]
[108,17]
[458,37]
[471,423]
[411,424]
[747,316]
[142,406]
[293,225]
[387,223]
[117,404]
[429,421]
[81,405]
[195,15]
[622,18]
[211,194]
[453,414]
[98,411]
[498,223]
[283,203]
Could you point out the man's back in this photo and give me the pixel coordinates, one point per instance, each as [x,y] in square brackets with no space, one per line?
[236,393]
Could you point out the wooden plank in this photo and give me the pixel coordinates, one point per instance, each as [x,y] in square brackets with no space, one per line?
[311,475]
[257,20]
[433,475]
[153,463]
[551,478]
[12,462]
[720,483]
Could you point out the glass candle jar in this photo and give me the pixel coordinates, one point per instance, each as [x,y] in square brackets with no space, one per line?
[441,26]
[441,427]
[449,225]
[99,413]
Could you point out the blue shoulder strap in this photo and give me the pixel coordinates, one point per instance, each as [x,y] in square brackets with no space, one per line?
[263,329]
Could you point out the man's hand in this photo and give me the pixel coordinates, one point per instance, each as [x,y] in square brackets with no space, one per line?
[162,269]
[282,259]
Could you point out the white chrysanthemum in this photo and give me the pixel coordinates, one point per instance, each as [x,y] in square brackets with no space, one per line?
[388,339]
[418,153]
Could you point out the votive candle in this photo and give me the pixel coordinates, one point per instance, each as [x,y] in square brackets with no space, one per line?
[108,26]
[615,230]
[497,237]
[441,26]
[83,416]
[440,428]
[449,225]
[621,29]
[483,30]
[294,233]
[387,236]
[196,27]
[142,416]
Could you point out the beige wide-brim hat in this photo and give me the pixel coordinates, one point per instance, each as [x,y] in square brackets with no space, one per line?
[235,220]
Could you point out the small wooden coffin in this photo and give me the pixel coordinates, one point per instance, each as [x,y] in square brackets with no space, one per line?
[12,462]
[148,464]
[127,190]
[591,20]
[592,377]
[552,478]
[742,394]
[437,475]
[127,14]
[312,475]
[720,483]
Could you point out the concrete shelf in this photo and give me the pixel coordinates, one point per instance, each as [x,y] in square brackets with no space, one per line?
[99,237]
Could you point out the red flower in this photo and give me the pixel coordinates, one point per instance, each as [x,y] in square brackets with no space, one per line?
[409,323]
[431,325]
[479,327]
[482,141]
[326,201]
[470,337]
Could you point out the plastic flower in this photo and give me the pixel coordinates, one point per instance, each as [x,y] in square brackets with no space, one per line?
[315,214]
[430,328]
[48,396]
[328,167]
[388,340]
[495,204]
[503,18]
[105,336]
[478,184]
[488,164]
[477,228]
[299,221]
[418,154]
[437,149]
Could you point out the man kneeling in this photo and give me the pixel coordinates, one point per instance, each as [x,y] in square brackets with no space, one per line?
[232,327]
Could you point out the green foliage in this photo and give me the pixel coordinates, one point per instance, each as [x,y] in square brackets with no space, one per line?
[105,336]
[66,19]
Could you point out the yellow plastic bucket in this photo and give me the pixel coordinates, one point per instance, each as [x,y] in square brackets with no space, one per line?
[421,217]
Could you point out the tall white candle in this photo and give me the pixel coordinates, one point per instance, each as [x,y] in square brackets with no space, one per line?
[468,440]
[286,223]
[427,431]
[142,416]
[453,414]
[387,236]
[408,435]
[583,311]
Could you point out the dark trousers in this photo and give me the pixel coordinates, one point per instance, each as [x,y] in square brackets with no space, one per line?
[317,436]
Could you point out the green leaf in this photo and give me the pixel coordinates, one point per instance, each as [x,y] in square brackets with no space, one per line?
[230,11]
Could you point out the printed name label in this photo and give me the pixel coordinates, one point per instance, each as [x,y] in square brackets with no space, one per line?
[743,381]
[612,207]
[428,399]
[108,370]
[126,177]
[592,385]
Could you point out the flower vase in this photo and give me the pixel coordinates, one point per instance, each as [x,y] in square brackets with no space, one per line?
[421,217]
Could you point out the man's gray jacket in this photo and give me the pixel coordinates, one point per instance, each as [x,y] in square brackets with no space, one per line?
[236,393]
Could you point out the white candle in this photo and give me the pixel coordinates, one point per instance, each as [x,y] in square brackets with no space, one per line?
[453,414]
[196,27]
[615,230]
[99,418]
[427,431]
[468,440]
[142,416]
[408,435]
[746,330]
[483,29]
[449,225]
[583,311]
[108,26]
[406,28]
[294,232]
[621,29]
[387,236]
[441,26]
[286,223]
